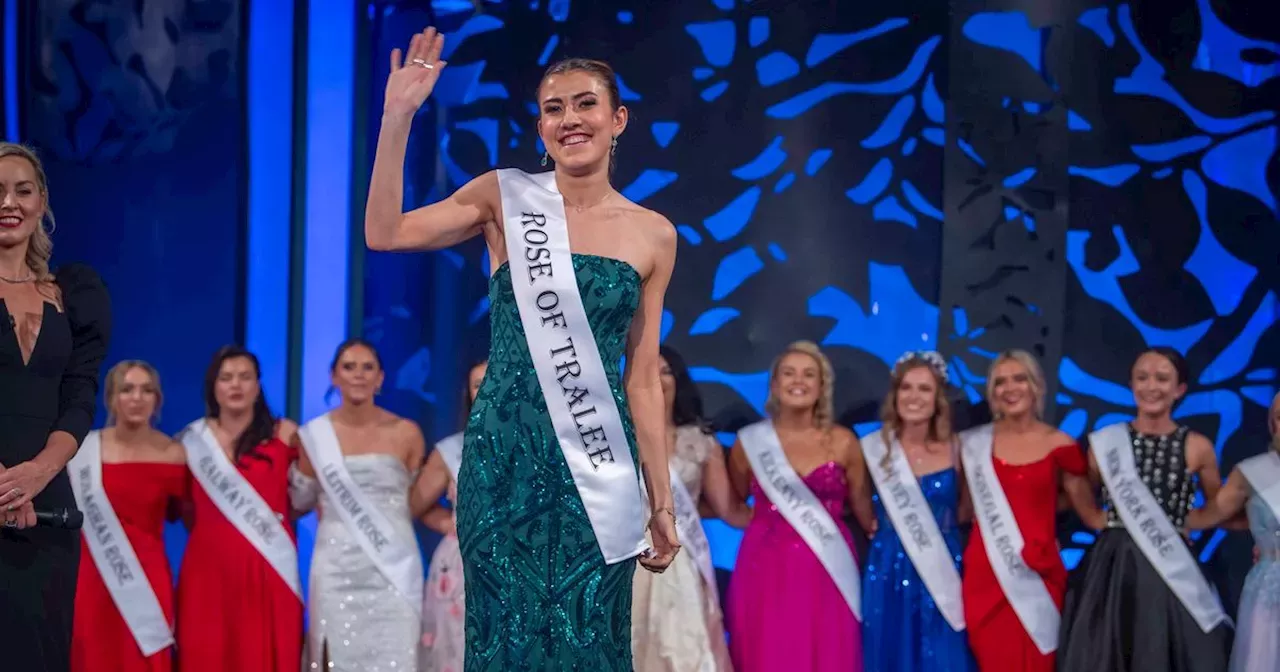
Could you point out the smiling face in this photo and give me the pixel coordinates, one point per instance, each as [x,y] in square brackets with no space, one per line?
[797,384]
[1013,390]
[357,374]
[22,201]
[578,119]
[136,397]
[917,396]
[1155,384]
[236,388]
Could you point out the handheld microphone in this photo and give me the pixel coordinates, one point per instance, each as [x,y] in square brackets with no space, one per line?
[64,519]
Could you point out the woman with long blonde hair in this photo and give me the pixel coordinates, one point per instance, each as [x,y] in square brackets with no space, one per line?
[1254,488]
[140,474]
[794,599]
[911,583]
[54,328]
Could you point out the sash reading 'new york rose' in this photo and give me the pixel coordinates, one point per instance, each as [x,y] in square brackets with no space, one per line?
[1003,541]
[567,360]
[802,509]
[1150,528]
[904,501]
[240,504]
[395,557]
[112,553]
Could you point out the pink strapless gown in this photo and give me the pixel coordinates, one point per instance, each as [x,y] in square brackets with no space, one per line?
[784,611]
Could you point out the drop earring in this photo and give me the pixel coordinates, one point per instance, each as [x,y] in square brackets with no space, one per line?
[613,146]
[545,157]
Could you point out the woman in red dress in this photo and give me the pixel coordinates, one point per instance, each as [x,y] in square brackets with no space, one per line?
[235,611]
[1034,463]
[143,475]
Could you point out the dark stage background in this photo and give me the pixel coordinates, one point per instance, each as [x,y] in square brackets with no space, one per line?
[1107,172]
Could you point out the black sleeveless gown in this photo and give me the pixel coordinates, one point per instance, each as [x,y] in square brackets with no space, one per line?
[55,391]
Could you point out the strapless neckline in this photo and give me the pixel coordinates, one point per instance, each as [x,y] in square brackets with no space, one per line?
[506,265]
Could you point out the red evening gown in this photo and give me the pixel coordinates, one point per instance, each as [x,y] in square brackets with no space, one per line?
[139,493]
[996,636]
[235,613]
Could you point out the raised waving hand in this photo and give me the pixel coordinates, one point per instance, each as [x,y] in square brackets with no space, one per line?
[413,78]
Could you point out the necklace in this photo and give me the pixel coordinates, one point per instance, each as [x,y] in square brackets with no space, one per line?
[581,208]
[18,281]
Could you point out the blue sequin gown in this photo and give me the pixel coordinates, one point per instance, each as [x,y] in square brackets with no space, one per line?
[903,631]
[1257,647]
[539,595]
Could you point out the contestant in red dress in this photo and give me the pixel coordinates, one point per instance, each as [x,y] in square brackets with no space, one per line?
[1034,463]
[143,475]
[235,612]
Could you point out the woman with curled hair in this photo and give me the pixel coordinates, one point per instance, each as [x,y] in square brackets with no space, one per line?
[239,594]
[911,583]
[132,475]
[1015,469]
[794,598]
[54,328]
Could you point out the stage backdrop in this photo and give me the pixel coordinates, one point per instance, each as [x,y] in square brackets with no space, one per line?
[1110,182]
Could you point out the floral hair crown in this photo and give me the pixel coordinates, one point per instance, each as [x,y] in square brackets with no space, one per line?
[929,357]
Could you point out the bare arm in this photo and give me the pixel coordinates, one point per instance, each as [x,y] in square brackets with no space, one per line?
[440,520]
[1228,503]
[415,445]
[1203,461]
[859,479]
[719,493]
[430,486]
[642,378]
[740,470]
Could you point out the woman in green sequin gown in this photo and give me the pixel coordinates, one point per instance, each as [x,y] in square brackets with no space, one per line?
[539,594]
[538,591]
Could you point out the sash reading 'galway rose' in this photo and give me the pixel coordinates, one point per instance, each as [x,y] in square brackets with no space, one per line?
[393,555]
[112,553]
[1003,541]
[1150,528]
[240,504]
[1263,473]
[801,508]
[450,448]
[567,361]
[904,501]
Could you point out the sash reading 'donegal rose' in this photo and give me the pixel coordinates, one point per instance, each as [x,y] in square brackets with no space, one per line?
[396,558]
[567,360]
[1150,528]
[802,509]
[904,501]
[1263,473]
[450,448]
[240,504]
[1003,542]
[112,553]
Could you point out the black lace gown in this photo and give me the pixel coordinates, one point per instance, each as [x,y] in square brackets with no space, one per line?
[55,391]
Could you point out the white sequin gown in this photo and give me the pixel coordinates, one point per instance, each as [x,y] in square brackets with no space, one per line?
[366,625]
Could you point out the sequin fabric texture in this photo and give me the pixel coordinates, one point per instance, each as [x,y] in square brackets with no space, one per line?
[1257,649]
[903,630]
[539,595]
[1162,464]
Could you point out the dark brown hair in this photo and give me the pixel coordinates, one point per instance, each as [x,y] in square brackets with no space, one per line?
[262,427]
[600,70]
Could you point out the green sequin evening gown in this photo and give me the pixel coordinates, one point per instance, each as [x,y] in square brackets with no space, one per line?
[539,595]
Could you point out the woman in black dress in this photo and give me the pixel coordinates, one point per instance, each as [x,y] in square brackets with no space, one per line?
[53,336]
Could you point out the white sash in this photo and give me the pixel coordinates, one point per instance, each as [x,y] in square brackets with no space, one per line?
[801,508]
[1263,473]
[567,361]
[904,501]
[114,556]
[239,503]
[1150,528]
[1002,538]
[450,448]
[396,558]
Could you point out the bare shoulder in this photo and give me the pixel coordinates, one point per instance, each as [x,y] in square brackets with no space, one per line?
[408,431]
[1200,448]
[171,451]
[1055,438]
[286,430]
[844,440]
